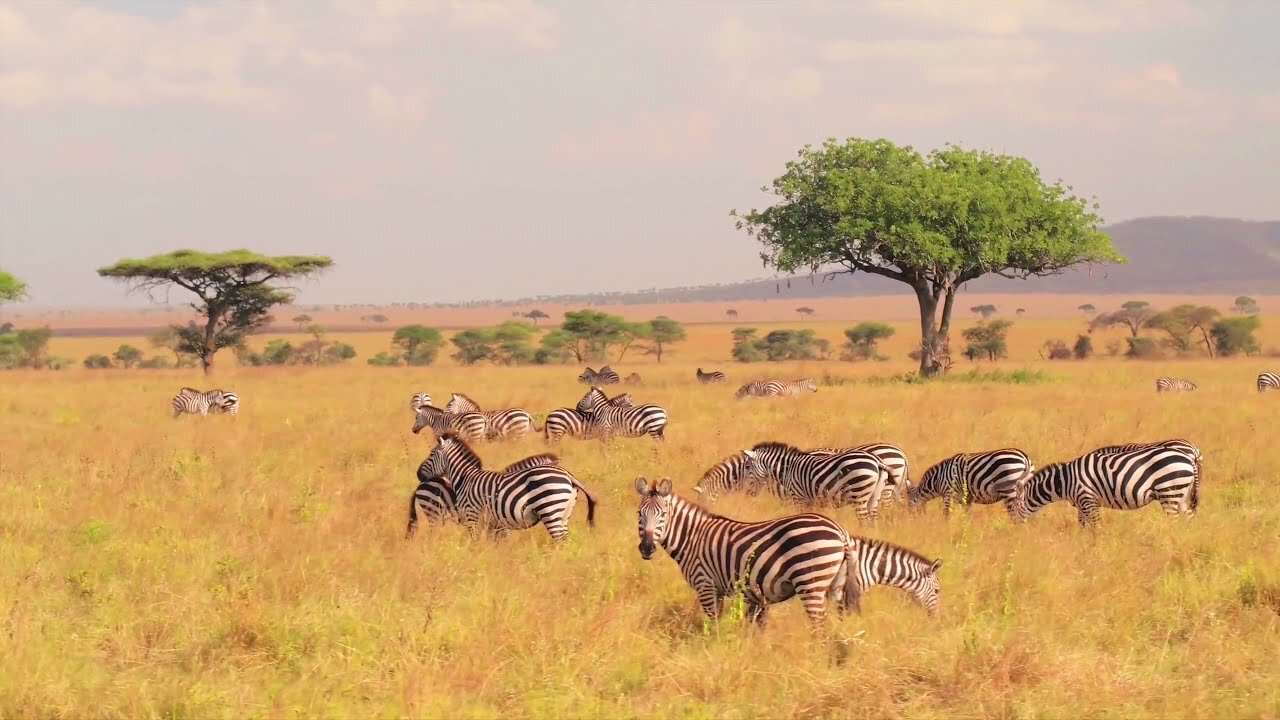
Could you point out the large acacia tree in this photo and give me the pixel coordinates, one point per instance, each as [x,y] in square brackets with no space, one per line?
[932,222]
[233,290]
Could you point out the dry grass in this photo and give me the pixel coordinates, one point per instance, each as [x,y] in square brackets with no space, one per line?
[256,566]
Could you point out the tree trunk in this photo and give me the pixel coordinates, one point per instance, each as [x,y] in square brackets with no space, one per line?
[934,334]
[658,347]
[210,346]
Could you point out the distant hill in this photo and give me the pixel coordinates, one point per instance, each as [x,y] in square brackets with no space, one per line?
[1177,255]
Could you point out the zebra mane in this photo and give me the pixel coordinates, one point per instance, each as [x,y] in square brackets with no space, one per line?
[911,554]
[466,456]
[605,369]
[776,445]
[466,397]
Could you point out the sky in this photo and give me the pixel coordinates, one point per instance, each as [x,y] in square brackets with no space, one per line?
[444,151]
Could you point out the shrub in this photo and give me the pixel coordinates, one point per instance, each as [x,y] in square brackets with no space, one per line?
[1083,348]
[987,339]
[97,362]
[862,339]
[1056,350]
[1142,348]
[1234,335]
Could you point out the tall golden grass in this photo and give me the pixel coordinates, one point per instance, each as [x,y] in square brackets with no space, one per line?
[256,566]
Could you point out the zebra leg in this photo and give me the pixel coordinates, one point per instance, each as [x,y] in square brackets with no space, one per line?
[946,505]
[757,612]
[815,601]
[556,526]
[709,600]
[1087,512]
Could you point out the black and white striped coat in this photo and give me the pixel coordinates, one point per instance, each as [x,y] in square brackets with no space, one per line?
[795,476]
[499,424]
[1125,480]
[568,421]
[984,478]
[776,388]
[1180,444]
[607,420]
[202,402]
[1172,384]
[893,457]
[435,496]
[1268,381]
[470,426]
[418,400]
[771,561]
[715,376]
[504,501]
[604,376]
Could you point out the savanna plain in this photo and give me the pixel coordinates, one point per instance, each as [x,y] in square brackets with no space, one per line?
[257,566]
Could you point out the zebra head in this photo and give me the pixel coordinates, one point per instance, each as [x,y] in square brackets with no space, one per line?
[756,470]
[592,401]
[588,376]
[460,403]
[655,509]
[623,400]
[808,385]
[728,475]
[927,589]
[423,416]
[934,483]
[451,457]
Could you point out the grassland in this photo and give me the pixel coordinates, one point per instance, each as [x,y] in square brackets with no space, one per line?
[256,566]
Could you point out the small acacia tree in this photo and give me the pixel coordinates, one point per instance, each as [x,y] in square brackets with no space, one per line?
[418,344]
[663,331]
[535,315]
[1133,315]
[930,222]
[11,288]
[232,288]
[1183,323]
[987,340]
[1245,305]
[862,339]
[805,311]
[301,321]
[1087,308]
[985,311]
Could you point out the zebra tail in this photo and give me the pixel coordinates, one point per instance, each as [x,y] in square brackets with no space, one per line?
[413,516]
[850,599]
[591,503]
[1195,487]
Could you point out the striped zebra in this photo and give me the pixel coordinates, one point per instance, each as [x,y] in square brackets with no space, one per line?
[776,388]
[435,495]
[568,421]
[1180,444]
[795,476]
[499,424]
[1125,480]
[984,478]
[607,419]
[418,400]
[503,500]
[715,376]
[1268,381]
[893,457]
[604,376]
[192,401]
[470,425]
[1171,384]
[771,561]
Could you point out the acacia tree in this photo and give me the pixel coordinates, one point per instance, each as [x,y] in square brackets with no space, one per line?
[232,288]
[931,222]
[11,288]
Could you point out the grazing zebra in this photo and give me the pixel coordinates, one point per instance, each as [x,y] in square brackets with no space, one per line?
[813,479]
[893,457]
[771,561]
[499,424]
[1170,384]
[568,421]
[436,498]
[982,477]
[782,388]
[715,376]
[729,475]
[1125,480]
[192,401]
[1180,444]
[418,400]
[605,376]
[608,419]
[1268,381]
[633,379]
[507,500]
[469,425]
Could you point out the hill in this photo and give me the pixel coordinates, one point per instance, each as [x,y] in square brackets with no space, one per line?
[1170,255]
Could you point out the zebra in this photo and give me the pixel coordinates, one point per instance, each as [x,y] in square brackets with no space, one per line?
[715,376]
[729,475]
[504,500]
[514,422]
[435,495]
[605,376]
[1126,480]
[418,400]
[893,457]
[782,388]
[1268,381]
[981,477]
[1170,384]
[1180,444]
[469,425]
[633,379]
[568,421]
[771,561]
[608,419]
[192,401]
[847,478]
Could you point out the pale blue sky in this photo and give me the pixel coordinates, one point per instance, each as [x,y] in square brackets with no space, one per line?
[447,151]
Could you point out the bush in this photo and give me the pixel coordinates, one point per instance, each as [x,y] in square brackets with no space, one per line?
[778,345]
[384,359]
[97,362]
[156,363]
[1234,336]
[1056,350]
[987,340]
[862,338]
[1142,348]
[128,355]
[1083,349]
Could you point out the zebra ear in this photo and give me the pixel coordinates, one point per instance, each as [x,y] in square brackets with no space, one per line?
[697,489]
[664,487]
[642,486]
[749,453]
[933,569]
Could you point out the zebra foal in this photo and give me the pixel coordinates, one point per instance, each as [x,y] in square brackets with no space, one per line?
[715,376]
[1172,384]
[771,561]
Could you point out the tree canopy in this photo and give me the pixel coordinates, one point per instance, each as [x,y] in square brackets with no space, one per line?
[932,222]
[11,288]
[234,296]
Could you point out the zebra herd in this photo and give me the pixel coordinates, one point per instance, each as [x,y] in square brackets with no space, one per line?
[1266,381]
